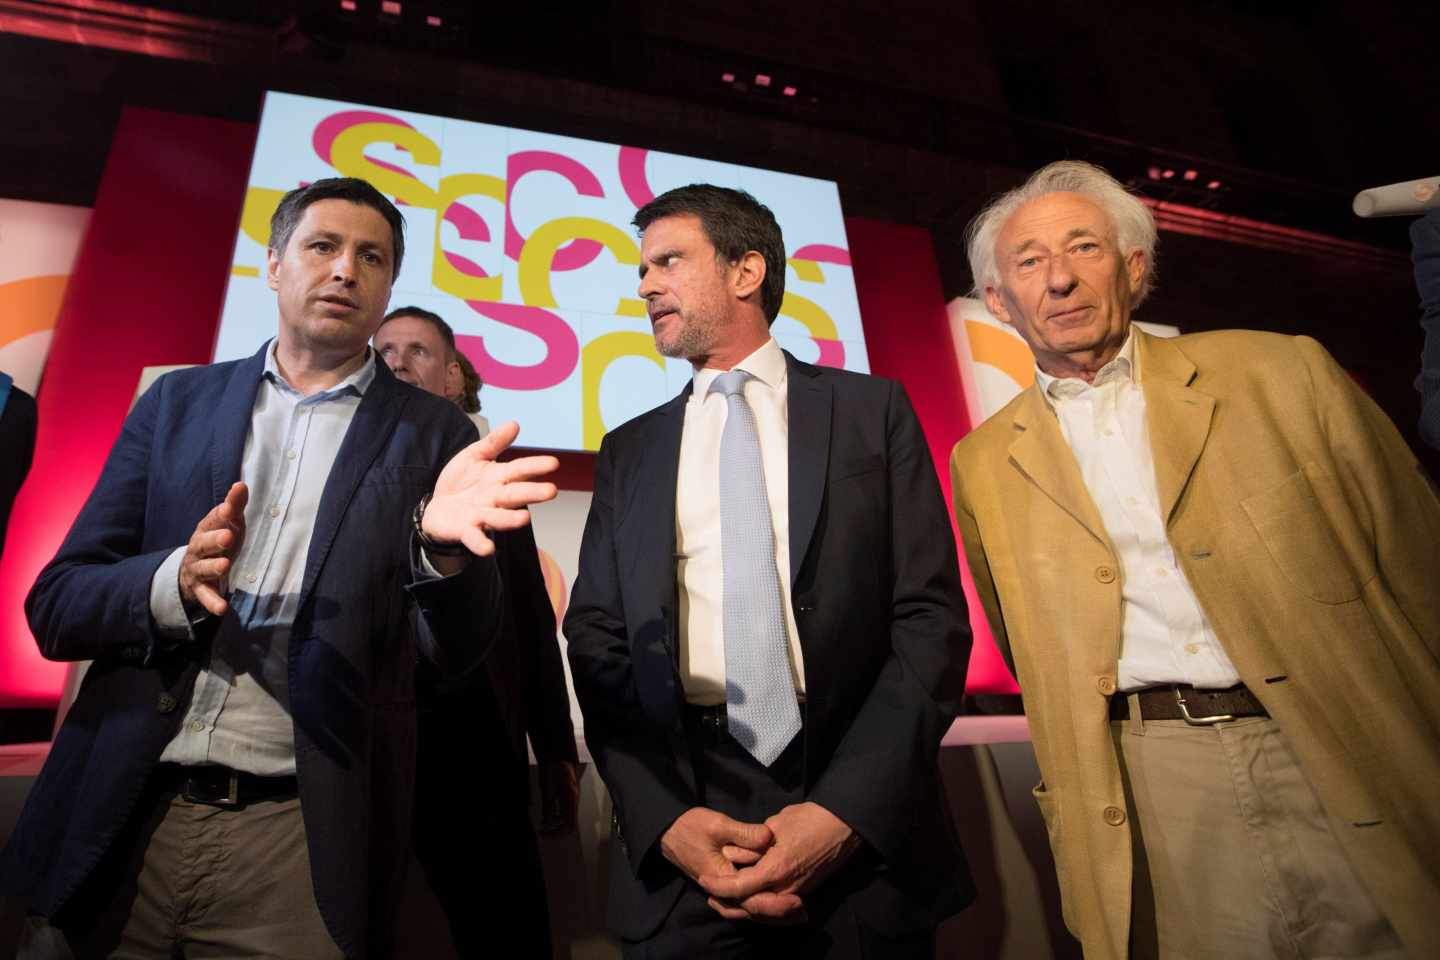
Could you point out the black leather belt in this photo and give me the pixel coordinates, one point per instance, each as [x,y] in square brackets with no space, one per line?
[1184,702]
[221,786]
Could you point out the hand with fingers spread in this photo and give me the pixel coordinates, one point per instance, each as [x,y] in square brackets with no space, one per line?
[811,843]
[211,552]
[475,494]
[706,844]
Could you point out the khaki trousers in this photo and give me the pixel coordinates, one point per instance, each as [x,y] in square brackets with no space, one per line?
[1234,855]
[196,881]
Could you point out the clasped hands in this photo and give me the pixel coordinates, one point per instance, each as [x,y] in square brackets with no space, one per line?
[473,494]
[759,871]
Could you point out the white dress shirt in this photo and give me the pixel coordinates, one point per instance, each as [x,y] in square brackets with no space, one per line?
[239,714]
[699,567]
[1165,636]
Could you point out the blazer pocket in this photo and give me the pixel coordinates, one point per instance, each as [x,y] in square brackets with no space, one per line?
[1296,532]
[855,466]
[1050,812]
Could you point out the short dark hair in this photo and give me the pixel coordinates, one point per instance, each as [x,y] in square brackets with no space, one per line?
[441,327]
[735,223]
[293,205]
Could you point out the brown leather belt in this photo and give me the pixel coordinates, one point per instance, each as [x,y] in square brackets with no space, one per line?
[1184,702]
[221,786]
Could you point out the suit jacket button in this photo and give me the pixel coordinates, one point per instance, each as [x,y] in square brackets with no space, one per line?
[1105,573]
[167,703]
[1114,816]
[132,652]
[1106,685]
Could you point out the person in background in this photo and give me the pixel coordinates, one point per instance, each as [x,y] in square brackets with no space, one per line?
[17,445]
[464,391]
[767,634]
[1211,562]
[272,545]
[473,775]
[1425,242]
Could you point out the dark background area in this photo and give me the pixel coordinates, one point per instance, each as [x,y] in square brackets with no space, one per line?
[919,110]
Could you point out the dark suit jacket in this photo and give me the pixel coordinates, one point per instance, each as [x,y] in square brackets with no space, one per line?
[522,686]
[17,449]
[1425,240]
[361,622]
[878,603]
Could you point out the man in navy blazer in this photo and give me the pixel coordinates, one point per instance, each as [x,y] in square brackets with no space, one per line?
[840,845]
[241,779]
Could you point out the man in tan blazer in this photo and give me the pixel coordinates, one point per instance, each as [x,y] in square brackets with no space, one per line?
[1214,567]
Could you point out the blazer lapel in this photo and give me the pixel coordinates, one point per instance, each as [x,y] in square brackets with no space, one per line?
[809,401]
[236,407]
[651,507]
[1040,452]
[1178,416]
[369,432]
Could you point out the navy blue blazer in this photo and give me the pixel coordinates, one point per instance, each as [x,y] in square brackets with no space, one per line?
[362,621]
[876,592]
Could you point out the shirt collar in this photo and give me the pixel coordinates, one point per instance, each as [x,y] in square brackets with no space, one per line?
[357,383]
[1122,369]
[767,364]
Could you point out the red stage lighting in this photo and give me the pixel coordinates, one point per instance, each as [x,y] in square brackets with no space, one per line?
[390,7]
[727,78]
[1154,173]
[1213,185]
[1191,174]
[1168,174]
[433,20]
[347,5]
[762,79]
[789,91]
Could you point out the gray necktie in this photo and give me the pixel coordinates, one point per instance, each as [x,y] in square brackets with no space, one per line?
[760,701]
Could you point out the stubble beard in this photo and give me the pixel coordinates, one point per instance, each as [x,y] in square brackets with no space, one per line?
[695,339]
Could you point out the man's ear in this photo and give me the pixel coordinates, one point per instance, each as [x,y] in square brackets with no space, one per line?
[272,267]
[1135,268]
[749,273]
[996,305]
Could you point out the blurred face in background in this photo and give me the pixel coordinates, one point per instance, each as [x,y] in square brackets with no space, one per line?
[415,352]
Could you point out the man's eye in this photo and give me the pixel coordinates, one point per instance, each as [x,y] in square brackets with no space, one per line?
[322,246]
[1029,261]
[1088,246]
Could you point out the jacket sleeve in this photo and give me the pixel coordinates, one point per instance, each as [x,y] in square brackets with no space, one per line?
[547,699]
[1386,488]
[1425,239]
[633,757]
[876,777]
[93,598]
[977,560]
[457,617]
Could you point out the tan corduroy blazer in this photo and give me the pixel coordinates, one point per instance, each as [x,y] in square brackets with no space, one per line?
[1311,537]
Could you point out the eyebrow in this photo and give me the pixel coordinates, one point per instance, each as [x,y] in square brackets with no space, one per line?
[333,237]
[1072,234]
[656,257]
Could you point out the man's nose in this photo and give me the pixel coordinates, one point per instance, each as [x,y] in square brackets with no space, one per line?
[649,286]
[342,267]
[1059,278]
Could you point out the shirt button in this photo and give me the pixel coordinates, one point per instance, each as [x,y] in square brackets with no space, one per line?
[1109,433]
[1161,572]
[274,512]
[250,578]
[1105,573]
[1114,816]
[166,704]
[1192,648]
[1106,685]
[1131,500]
[290,454]
[198,725]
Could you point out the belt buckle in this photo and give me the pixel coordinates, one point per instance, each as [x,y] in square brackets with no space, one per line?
[1198,721]
[230,799]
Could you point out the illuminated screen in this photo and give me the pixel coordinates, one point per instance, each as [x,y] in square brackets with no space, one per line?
[522,242]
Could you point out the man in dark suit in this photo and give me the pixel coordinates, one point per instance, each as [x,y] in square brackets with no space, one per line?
[472,782]
[767,634]
[272,544]
[17,445]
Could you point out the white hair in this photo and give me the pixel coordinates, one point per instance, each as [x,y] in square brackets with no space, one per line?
[1134,223]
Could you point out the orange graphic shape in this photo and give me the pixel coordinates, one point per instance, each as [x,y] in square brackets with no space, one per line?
[1002,351]
[29,306]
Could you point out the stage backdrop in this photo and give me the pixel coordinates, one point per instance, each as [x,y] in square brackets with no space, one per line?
[38,243]
[147,290]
